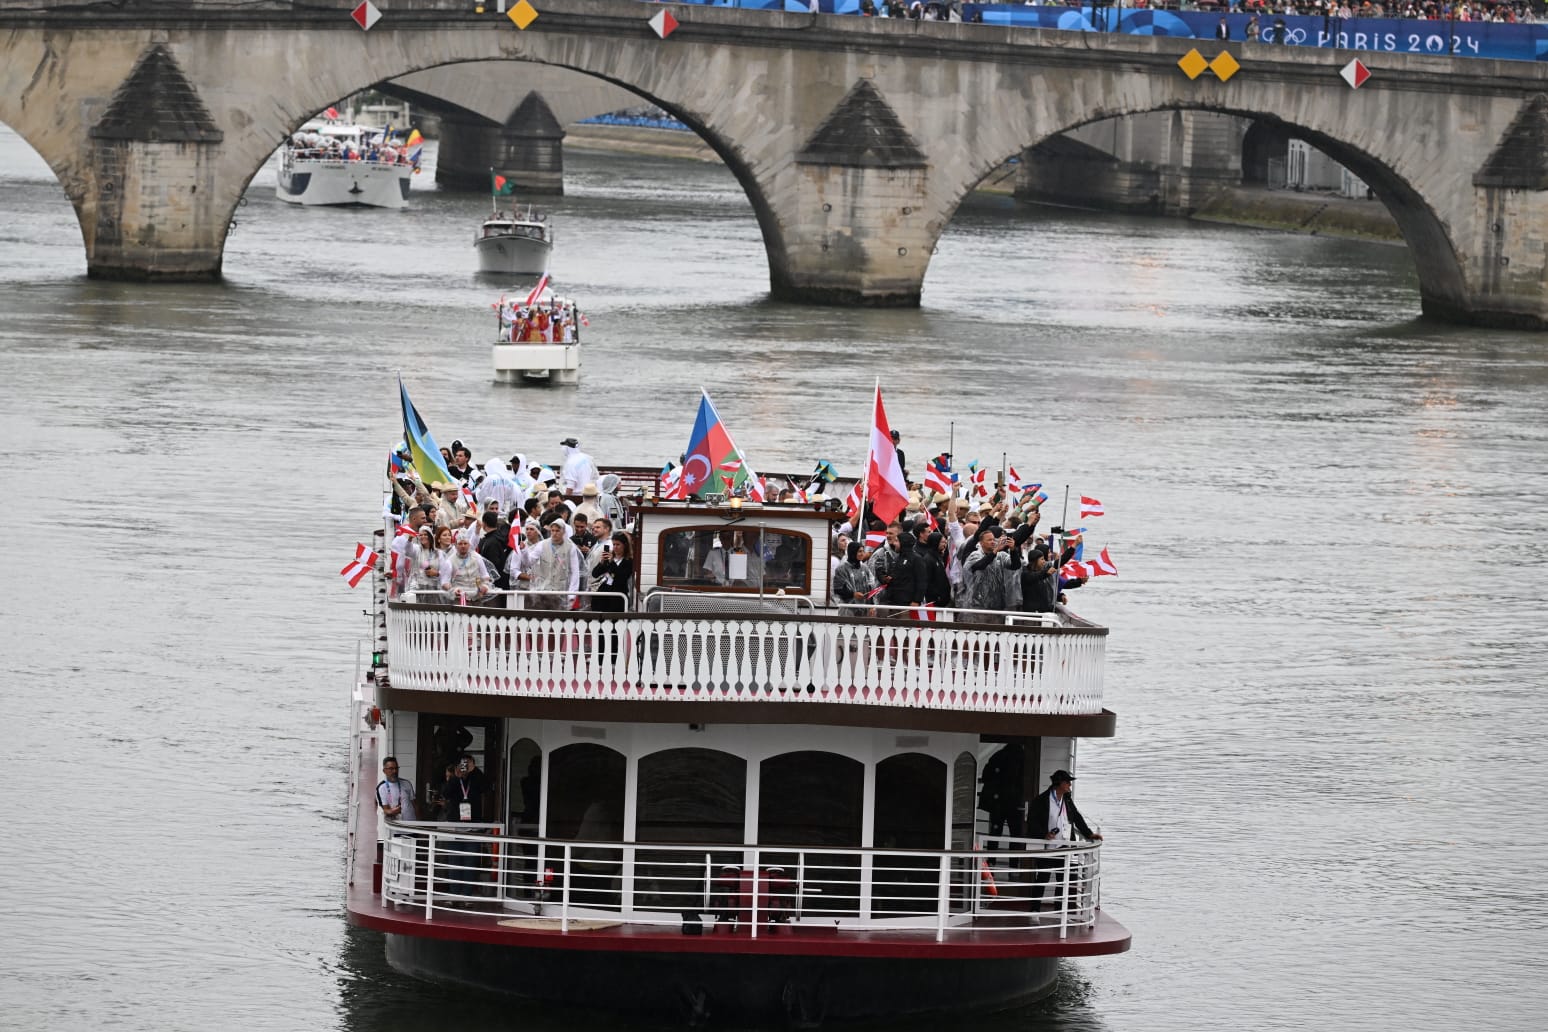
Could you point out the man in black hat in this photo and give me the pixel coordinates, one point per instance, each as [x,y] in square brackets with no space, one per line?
[902,462]
[1051,817]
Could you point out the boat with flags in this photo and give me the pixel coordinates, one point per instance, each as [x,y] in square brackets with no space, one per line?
[331,162]
[512,242]
[716,788]
[538,337]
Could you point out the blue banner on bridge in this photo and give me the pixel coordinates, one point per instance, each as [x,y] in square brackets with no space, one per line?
[1510,42]
[1503,40]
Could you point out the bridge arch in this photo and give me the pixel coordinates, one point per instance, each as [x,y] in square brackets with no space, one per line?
[1424,229]
[854,138]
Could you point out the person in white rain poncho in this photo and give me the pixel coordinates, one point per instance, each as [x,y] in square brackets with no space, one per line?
[466,575]
[423,560]
[554,566]
[498,486]
[607,501]
[578,469]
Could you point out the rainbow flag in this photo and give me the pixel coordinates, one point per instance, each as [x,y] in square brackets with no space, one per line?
[424,453]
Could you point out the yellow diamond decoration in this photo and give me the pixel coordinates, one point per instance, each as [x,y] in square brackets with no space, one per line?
[1193,64]
[523,14]
[1225,66]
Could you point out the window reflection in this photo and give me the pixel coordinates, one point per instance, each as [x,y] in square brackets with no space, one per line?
[736,559]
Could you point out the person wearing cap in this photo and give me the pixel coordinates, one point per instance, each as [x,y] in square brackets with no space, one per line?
[578,469]
[1052,817]
[1053,813]
[897,446]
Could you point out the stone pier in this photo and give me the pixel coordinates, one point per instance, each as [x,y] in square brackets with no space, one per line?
[528,150]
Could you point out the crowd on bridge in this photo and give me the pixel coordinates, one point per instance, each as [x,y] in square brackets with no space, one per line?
[1511,11]
[564,537]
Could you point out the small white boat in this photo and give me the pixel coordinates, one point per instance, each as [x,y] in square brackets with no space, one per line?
[514,244]
[334,163]
[538,339]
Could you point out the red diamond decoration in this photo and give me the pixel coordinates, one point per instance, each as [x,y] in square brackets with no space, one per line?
[663,22]
[1355,73]
[366,15]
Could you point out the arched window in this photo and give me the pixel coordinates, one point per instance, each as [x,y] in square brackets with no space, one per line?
[692,796]
[815,799]
[910,814]
[525,790]
[586,802]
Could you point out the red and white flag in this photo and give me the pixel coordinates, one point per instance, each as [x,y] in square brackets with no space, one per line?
[537,291]
[875,539]
[363,563]
[938,480]
[852,503]
[1090,507]
[404,530]
[1013,484]
[977,480]
[885,485]
[924,612]
[1103,565]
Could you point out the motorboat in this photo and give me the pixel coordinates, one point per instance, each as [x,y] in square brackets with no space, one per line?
[514,243]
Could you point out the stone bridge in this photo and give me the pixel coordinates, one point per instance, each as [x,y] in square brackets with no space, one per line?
[855,139]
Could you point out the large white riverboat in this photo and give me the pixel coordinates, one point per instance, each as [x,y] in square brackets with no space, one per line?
[335,163]
[736,800]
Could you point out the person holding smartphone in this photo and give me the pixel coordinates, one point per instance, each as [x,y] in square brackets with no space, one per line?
[612,570]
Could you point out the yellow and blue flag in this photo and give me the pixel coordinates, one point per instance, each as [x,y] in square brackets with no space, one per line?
[424,453]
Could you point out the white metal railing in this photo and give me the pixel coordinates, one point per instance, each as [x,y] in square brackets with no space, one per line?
[1023,886]
[935,614]
[675,657]
[515,598]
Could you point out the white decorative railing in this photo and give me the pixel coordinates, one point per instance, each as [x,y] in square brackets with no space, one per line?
[1022,886]
[669,657]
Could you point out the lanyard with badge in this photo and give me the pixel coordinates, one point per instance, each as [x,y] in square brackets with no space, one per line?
[464,808]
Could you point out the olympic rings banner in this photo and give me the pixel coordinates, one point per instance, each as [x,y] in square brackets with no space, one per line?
[1510,42]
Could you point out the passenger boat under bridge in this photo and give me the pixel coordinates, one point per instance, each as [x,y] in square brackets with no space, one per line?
[738,799]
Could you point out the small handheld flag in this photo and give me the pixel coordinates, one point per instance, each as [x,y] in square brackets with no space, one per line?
[363,563]
[1090,507]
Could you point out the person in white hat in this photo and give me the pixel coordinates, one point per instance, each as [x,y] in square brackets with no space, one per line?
[589,507]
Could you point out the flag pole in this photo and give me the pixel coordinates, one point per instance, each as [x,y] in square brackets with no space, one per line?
[1063,517]
[859,519]
[494,208]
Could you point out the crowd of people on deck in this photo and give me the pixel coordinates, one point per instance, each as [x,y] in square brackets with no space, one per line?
[516,525]
[322,146]
[552,321]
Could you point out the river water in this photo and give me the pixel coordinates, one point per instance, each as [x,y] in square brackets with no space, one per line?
[1324,806]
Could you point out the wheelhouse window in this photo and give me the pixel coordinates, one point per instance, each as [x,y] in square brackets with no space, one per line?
[739,558]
